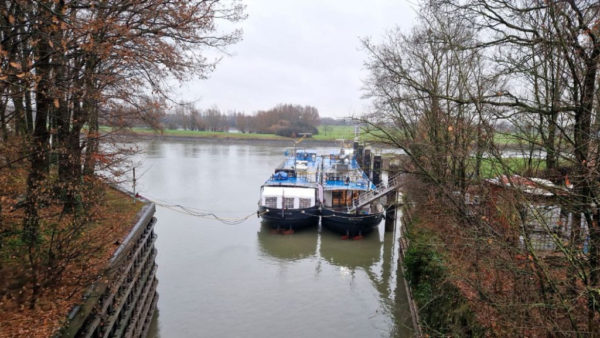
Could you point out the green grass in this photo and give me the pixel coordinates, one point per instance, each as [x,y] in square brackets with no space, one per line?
[201,134]
[492,167]
[326,133]
[515,139]
[209,134]
[506,139]
[335,133]
[343,132]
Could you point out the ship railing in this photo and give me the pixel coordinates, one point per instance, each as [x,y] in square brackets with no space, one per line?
[380,190]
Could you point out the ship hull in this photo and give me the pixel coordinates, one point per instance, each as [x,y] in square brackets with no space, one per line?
[349,224]
[290,219]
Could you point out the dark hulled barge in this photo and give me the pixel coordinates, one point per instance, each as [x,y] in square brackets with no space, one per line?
[343,183]
[289,199]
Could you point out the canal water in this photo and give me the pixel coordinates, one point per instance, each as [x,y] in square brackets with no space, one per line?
[219,280]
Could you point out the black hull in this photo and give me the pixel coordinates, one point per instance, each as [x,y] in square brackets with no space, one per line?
[349,224]
[290,219]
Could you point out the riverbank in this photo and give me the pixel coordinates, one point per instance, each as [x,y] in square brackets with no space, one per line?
[249,139]
[327,136]
[133,134]
[69,256]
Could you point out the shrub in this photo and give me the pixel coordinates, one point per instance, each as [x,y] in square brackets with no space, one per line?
[297,128]
[442,308]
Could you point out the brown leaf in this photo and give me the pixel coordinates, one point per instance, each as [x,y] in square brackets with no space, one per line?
[56,103]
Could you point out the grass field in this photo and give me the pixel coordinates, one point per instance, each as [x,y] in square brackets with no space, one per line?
[200,134]
[514,139]
[207,134]
[335,133]
[326,133]
[492,167]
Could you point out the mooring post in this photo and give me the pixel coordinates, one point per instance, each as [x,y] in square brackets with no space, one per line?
[359,155]
[390,211]
[376,169]
[392,205]
[367,162]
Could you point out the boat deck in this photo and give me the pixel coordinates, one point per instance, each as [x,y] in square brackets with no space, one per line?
[301,169]
[339,174]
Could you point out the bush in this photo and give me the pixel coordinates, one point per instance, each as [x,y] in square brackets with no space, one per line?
[442,308]
[297,128]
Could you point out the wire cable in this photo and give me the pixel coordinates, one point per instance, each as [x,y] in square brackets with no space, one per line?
[237,220]
[199,213]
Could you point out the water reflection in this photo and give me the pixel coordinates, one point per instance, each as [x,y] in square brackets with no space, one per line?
[191,150]
[349,253]
[375,256]
[153,149]
[277,246]
[236,281]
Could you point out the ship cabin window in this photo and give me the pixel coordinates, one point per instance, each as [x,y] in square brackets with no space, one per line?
[304,203]
[333,177]
[288,202]
[302,174]
[343,198]
[271,202]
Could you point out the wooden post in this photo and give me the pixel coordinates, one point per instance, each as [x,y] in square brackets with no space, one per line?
[391,205]
[390,211]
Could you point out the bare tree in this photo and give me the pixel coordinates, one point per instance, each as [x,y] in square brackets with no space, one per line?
[420,83]
[563,80]
[67,65]
[437,92]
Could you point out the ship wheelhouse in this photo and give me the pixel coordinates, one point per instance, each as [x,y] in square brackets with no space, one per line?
[282,197]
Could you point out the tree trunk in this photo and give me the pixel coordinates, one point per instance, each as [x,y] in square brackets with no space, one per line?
[90,108]
[3,120]
[39,153]
[550,143]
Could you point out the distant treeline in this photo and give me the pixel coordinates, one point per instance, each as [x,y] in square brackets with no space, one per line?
[283,119]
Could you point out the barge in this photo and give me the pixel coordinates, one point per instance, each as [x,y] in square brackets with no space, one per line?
[290,198]
[343,183]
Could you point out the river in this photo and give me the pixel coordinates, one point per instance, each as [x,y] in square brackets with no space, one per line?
[218,280]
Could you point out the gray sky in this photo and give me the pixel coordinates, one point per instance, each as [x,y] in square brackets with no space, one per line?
[304,52]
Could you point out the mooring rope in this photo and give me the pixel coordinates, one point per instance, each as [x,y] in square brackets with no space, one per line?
[200,213]
[227,220]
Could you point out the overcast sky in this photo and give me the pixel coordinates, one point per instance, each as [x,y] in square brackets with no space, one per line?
[304,52]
